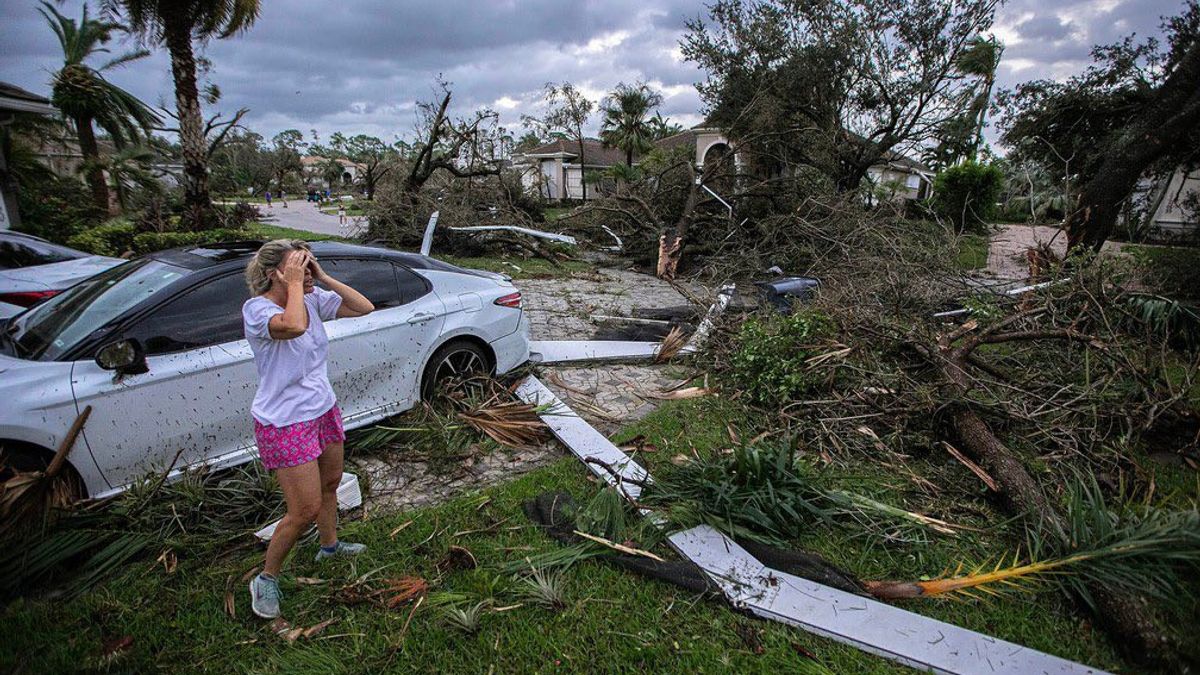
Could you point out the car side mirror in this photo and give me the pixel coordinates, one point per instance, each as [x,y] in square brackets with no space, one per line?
[124,356]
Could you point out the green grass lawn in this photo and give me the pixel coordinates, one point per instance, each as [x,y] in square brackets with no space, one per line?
[267,232]
[972,252]
[553,213]
[613,621]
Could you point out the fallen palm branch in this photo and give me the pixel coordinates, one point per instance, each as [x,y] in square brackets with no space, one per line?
[672,343]
[1151,551]
[509,423]
[27,498]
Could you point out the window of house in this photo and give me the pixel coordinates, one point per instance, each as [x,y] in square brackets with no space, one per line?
[204,316]
[913,181]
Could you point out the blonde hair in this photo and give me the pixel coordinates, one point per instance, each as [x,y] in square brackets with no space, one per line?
[268,259]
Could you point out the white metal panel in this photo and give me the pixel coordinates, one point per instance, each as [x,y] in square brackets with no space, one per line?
[564,351]
[583,440]
[882,629]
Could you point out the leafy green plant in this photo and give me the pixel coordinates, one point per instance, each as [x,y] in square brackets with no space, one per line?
[545,589]
[771,361]
[1171,319]
[758,491]
[112,238]
[966,194]
[465,619]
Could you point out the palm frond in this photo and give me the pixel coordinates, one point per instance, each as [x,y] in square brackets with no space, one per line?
[1146,551]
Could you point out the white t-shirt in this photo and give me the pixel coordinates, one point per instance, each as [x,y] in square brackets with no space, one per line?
[293,378]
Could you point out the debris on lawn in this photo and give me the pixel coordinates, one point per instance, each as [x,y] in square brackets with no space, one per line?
[28,498]
[769,593]
[552,236]
[457,558]
[781,293]
[388,593]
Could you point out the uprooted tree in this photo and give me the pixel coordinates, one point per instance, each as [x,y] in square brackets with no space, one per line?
[454,167]
[835,85]
[1135,112]
[1031,392]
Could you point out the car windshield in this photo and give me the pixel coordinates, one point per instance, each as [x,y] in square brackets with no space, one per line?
[49,329]
[27,252]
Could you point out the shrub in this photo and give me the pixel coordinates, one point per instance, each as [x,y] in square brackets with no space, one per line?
[966,194]
[769,362]
[1170,271]
[148,242]
[54,207]
[113,238]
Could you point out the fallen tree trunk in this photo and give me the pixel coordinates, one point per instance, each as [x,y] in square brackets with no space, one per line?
[1125,617]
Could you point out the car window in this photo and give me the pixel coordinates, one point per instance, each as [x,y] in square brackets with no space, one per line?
[412,286]
[16,253]
[51,328]
[373,278]
[207,315]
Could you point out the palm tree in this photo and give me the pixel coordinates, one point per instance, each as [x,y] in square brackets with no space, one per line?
[128,167]
[980,60]
[85,97]
[627,124]
[174,24]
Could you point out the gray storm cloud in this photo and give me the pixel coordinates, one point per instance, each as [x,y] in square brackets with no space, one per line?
[357,66]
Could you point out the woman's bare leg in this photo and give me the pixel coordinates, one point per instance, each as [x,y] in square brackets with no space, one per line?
[302,491]
[331,463]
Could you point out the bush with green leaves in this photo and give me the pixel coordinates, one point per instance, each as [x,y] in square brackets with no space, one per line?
[112,238]
[1173,271]
[54,207]
[770,360]
[966,194]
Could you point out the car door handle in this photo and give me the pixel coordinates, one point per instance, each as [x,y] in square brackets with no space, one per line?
[421,317]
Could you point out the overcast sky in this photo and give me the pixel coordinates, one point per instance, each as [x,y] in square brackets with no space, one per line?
[358,66]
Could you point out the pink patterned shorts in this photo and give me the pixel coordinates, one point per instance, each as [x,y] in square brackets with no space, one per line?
[299,443]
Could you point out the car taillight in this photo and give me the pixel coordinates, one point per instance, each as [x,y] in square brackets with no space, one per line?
[27,298]
[511,300]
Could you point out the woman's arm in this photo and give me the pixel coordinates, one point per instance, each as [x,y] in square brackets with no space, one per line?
[353,302]
[294,320]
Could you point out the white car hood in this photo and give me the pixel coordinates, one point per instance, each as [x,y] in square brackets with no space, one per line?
[55,276]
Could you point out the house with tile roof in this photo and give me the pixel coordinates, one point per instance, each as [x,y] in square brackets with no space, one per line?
[554,169]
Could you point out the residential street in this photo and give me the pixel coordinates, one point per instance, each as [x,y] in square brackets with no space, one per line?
[302,215]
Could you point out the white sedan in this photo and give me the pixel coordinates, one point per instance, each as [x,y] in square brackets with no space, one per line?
[155,346]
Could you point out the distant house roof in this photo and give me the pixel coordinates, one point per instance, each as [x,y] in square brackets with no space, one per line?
[310,161]
[16,99]
[681,139]
[594,152]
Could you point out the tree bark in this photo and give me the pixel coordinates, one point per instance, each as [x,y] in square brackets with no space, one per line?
[91,155]
[1172,114]
[197,202]
[1126,617]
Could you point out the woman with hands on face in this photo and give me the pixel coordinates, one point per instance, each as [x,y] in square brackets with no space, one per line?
[297,424]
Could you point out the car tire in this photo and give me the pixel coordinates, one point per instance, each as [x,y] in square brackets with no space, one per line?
[19,457]
[453,358]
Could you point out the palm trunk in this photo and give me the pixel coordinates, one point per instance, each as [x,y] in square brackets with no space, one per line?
[91,156]
[197,202]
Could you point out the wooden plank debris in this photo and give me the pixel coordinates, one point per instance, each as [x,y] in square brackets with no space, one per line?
[875,627]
